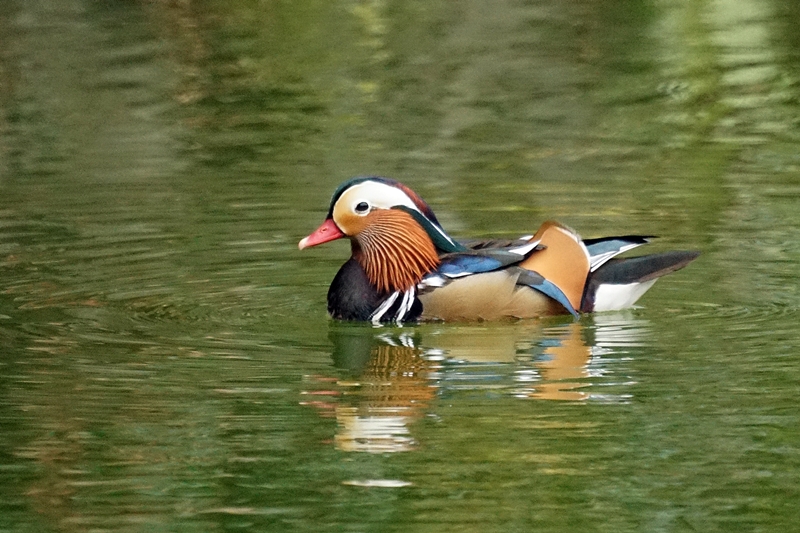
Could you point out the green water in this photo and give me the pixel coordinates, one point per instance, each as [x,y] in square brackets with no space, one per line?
[167,363]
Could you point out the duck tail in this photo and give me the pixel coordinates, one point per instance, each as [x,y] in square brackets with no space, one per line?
[620,282]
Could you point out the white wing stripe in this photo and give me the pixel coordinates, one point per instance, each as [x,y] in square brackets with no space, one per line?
[524,249]
[596,261]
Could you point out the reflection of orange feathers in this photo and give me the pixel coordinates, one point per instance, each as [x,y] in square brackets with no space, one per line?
[565,261]
[394,389]
[397,376]
[564,373]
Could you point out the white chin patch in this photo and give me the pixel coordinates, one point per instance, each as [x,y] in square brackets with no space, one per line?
[616,297]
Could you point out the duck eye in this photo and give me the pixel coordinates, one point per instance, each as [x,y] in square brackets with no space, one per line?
[362,207]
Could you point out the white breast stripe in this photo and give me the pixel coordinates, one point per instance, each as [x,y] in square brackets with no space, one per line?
[376,315]
[405,305]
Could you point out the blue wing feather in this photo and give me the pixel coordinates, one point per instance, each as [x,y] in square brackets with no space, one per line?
[537,282]
[463,265]
[548,289]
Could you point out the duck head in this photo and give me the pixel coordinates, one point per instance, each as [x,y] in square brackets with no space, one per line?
[394,235]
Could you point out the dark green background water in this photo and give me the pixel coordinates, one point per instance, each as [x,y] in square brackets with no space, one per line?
[167,364]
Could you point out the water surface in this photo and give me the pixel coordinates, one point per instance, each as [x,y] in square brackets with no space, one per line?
[167,363]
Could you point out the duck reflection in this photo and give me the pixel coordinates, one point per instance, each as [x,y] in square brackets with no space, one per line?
[391,377]
[392,381]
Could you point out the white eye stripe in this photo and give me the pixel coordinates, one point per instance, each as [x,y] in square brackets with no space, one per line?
[380,195]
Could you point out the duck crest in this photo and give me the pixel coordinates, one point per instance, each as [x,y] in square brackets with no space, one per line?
[395,251]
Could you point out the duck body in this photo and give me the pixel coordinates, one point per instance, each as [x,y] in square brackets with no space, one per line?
[404,267]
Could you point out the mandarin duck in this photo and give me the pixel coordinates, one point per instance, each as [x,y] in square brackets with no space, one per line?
[405,267]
